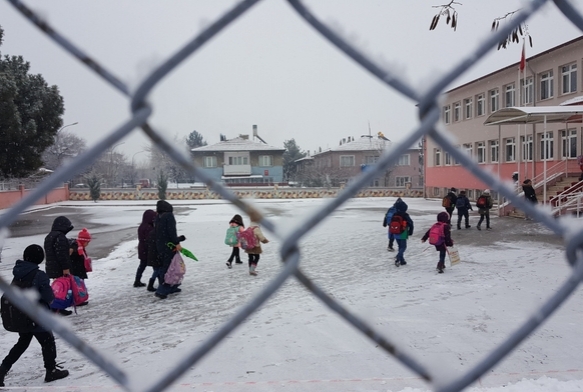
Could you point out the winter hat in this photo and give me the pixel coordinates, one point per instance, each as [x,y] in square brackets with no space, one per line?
[453,190]
[238,219]
[462,192]
[84,236]
[443,217]
[401,206]
[486,192]
[34,253]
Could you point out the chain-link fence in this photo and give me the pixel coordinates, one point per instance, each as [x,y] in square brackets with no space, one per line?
[429,126]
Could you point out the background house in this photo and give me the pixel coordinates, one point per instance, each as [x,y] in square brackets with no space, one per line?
[241,161]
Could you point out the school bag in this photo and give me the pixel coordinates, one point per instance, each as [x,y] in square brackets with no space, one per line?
[389,216]
[231,237]
[460,202]
[481,202]
[63,293]
[436,234]
[247,238]
[446,202]
[176,270]
[398,224]
[14,319]
[79,290]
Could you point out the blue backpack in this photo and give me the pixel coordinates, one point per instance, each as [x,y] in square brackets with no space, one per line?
[389,215]
[231,237]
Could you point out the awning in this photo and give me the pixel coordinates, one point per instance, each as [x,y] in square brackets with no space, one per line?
[536,115]
[241,177]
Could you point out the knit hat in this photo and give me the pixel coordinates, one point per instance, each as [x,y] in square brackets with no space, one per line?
[84,236]
[34,253]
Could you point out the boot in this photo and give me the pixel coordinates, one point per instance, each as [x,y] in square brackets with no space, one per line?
[151,285]
[252,270]
[3,371]
[56,374]
[137,283]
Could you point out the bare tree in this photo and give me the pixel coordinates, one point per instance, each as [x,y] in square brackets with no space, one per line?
[66,145]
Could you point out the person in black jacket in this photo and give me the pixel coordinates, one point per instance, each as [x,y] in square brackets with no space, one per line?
[57,251]
[452,198]
[463,207]
[165,227]
[28,270]
[144,230]
[529,193]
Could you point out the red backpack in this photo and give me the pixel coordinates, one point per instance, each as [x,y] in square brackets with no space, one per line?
[247,238]
[481,202]
[437,234]
[398,224]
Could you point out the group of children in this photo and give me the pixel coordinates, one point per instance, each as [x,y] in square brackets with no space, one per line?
[400,224]
[252,248]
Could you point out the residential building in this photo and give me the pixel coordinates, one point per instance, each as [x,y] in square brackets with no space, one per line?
[550,78]
[241,161]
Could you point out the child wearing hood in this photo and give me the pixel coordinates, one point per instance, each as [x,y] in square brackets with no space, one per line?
[406,232]
[28,274]
[444,238]
[56,247]
[144,230]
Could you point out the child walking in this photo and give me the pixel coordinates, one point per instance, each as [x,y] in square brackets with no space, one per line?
[144,230]
[439,235]
[80,262]
[235,225]
[405,230]
[255,253]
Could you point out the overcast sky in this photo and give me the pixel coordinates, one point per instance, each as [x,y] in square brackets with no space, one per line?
[269,68]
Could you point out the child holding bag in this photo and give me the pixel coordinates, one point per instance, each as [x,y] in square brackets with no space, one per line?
[439,235]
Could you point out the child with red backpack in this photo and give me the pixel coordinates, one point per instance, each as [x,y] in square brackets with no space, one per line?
[401,226]
[255,250]
[439,235]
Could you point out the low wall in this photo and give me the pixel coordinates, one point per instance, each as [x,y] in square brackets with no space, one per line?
[9,198]
[189,194]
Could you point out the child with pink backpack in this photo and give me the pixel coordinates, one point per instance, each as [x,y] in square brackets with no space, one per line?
[439,235]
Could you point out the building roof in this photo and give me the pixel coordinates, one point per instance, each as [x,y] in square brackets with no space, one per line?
[536,115]
[364,143]
[237,144]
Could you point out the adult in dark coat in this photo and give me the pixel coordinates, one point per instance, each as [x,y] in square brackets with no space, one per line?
[453,198]
[165,227]
[144,230]
[529,193]
[153,261]
[463,207]
[28,270]
[57,248]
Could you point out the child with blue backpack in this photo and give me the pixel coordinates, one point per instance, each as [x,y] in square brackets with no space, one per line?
[386,222]
[439,235]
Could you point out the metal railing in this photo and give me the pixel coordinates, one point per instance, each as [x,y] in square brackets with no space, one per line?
[428,126]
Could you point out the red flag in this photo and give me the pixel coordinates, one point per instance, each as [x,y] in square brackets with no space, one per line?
[522,64]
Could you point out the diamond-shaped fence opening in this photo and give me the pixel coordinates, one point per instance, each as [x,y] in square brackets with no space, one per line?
[290,256]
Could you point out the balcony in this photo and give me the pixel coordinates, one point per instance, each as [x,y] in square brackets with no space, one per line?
[236,170]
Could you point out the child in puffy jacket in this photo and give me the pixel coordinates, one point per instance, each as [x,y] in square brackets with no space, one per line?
[444,241]
[255,253]
[235,225]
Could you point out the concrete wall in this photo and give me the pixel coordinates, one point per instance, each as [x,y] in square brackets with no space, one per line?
[9,198]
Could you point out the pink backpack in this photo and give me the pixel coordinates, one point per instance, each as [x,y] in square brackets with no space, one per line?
[247,238]
[63,293]
[436,234]
[176,270]
[80,293]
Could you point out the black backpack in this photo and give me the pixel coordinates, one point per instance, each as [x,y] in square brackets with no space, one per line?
[13,319]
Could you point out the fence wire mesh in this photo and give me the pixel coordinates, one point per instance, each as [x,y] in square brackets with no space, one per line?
[429,126]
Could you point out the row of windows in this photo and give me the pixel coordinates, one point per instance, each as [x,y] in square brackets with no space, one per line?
[489,151]
[490,102]
[349,160]
[264,161]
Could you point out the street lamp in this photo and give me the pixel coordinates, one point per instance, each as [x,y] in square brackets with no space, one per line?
[65,126]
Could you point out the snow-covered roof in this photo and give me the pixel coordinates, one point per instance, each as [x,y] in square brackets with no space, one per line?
[237,144]
[364,143]
[536,115]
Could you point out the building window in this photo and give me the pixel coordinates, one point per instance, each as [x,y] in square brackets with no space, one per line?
[371,160]
[456,112]
[494,100]
[402,181]
[447,158]
[527,90]
[480,105]
[265,160]
[446,114]
[346,160]
[210,161]
[546,85]
[569,78]
[469,108]
[510,150]
[546,146]
[238,160]
[509,96]
[569,143]
[437,157]
[527,148]
[404,160]
[436,191]
[468,149]
[494,150]
[481,152]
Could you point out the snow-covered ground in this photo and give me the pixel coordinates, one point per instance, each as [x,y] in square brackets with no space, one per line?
[295,343]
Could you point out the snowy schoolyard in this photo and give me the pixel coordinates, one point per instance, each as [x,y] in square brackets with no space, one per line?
[295,343]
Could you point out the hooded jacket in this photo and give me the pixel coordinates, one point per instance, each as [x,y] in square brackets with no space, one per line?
[147,226]
[165,227]
[40,281]
[402,207]
[57,247]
